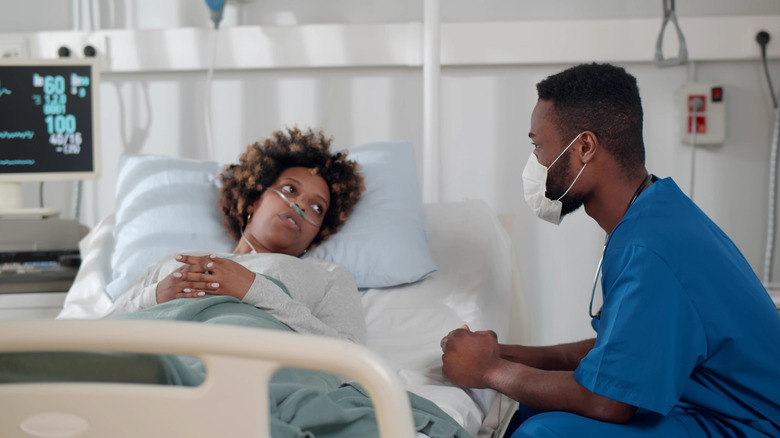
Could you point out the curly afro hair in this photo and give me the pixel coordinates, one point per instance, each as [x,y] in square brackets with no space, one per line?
[604,99]
[264,161]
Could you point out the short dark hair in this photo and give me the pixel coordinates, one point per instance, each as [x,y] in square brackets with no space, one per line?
[263,162]
[604,99]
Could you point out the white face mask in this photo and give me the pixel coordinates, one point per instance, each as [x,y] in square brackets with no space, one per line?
[535,187]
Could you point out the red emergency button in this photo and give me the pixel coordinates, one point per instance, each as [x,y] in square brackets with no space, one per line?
[717,94]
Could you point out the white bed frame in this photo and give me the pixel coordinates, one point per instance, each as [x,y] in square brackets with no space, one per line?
[209,410]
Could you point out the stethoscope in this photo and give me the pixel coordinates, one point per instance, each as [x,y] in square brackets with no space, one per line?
[642,186]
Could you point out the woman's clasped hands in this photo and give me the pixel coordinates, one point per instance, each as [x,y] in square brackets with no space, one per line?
[205,275]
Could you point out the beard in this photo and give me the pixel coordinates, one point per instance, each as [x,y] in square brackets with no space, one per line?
[558,180]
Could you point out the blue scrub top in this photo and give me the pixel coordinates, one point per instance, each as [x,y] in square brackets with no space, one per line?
[686,327]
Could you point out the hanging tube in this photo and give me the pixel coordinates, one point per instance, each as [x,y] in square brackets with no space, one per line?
[76,9]
[431,73]
[762,38]
[770,225]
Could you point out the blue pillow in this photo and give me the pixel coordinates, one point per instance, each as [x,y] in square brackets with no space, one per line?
[166,205]
[163,205]
[383,243]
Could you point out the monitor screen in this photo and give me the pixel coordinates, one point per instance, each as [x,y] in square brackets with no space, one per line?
[49,122]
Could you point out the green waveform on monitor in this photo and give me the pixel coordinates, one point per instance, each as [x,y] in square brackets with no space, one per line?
[25,135]
[17,162]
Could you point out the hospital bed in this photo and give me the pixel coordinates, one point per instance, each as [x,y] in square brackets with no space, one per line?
[474,281]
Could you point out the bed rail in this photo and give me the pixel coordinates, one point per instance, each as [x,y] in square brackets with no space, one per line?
[224,405]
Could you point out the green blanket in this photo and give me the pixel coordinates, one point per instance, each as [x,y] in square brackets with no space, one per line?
[303,403]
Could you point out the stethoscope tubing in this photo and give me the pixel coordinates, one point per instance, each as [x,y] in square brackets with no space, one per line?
[641,188]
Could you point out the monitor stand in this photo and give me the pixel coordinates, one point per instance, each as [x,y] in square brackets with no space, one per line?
[11,204]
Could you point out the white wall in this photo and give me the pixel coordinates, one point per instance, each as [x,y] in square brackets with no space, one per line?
[558,263]
[485,115]
[26,16]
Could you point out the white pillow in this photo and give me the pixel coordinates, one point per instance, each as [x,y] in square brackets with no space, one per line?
[166,205]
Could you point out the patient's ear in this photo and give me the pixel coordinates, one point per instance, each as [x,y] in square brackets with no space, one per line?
[250,209]
[248,214]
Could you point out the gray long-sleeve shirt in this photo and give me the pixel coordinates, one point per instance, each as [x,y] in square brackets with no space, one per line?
[323,298]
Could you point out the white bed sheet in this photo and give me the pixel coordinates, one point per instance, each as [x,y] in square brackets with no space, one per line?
[474,286]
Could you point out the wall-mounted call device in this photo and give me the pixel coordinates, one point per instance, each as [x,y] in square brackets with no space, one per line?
[49,125]
[702,114]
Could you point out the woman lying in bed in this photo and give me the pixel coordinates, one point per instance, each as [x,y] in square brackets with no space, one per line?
[286,195]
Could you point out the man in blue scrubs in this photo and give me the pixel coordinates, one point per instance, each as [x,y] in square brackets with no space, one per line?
[688,340]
